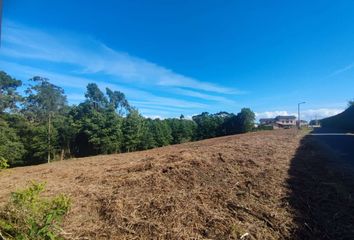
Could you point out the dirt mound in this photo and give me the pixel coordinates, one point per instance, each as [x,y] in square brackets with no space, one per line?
[224,188]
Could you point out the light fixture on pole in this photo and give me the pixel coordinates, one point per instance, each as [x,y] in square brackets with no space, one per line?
[298,114]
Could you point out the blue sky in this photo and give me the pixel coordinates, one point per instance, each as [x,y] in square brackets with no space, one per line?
[177,56]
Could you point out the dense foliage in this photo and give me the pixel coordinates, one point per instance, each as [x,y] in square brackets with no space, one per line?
[41,127]
[29,216]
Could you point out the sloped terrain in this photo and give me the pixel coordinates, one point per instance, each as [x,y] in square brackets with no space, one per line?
[343,120]
[224,188]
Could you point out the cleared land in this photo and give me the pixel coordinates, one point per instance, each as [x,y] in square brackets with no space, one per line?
[264,185]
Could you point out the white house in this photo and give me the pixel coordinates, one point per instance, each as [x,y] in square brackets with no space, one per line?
[279,121]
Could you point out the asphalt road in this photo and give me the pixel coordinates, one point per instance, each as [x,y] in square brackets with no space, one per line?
[340,142]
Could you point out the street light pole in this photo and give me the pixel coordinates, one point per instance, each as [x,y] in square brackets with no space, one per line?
[298,114]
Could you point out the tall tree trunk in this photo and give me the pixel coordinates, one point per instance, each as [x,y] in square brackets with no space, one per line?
[68,151]
[62,154]
[49,131]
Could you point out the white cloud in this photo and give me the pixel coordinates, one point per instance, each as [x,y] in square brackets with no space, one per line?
[307,114]
[320,113]
[204,96]
[153,116]
[92,56]
[137,97]
[271,114]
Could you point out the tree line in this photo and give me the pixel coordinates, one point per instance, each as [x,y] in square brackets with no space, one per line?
[40,126]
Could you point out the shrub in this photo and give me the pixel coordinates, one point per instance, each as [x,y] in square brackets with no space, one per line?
[3,163]
[28,216]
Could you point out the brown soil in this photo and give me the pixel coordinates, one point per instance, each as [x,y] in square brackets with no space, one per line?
[242,186]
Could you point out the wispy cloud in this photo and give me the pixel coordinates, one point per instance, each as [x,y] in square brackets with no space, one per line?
[72,61]
[342,70]
[204,96]
[92,56]
[139,98]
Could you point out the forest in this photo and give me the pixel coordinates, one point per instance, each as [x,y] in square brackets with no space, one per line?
[37,125]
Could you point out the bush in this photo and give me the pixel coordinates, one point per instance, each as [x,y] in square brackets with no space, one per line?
[262,127]
[29,216]
[3,163]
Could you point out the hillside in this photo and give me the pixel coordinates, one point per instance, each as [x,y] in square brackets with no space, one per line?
[343,120]
[251,186]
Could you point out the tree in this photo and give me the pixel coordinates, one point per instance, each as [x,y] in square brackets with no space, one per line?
[148,140]
[9,97]
[99,127]
[66,131]
[95,96]
[133,130]
[208,125]
[44,100]
[11,148]
[98,132]
[246,119]
[162,132]
[231,125]
[117,100]
[103,123]
[240,123]
[39,149]
[187,130]
[182,130]
[221,119]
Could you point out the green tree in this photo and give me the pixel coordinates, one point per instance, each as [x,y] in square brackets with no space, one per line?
[11,147]
[98,132]
[147,135]
[66,131]
[33,136]
[133,129]
[118,101]
[246,118]
[241,123]
[43,99]
[182,130]
[43,102]
[162,132]
[99,127]
[207,125]
[187,130]
[9,97]
[95,96]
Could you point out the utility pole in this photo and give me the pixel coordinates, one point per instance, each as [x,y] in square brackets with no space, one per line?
[298,115]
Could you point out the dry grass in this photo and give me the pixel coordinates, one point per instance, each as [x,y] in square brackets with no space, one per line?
[222,188]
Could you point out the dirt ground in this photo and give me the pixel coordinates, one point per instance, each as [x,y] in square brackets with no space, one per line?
[251,186]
